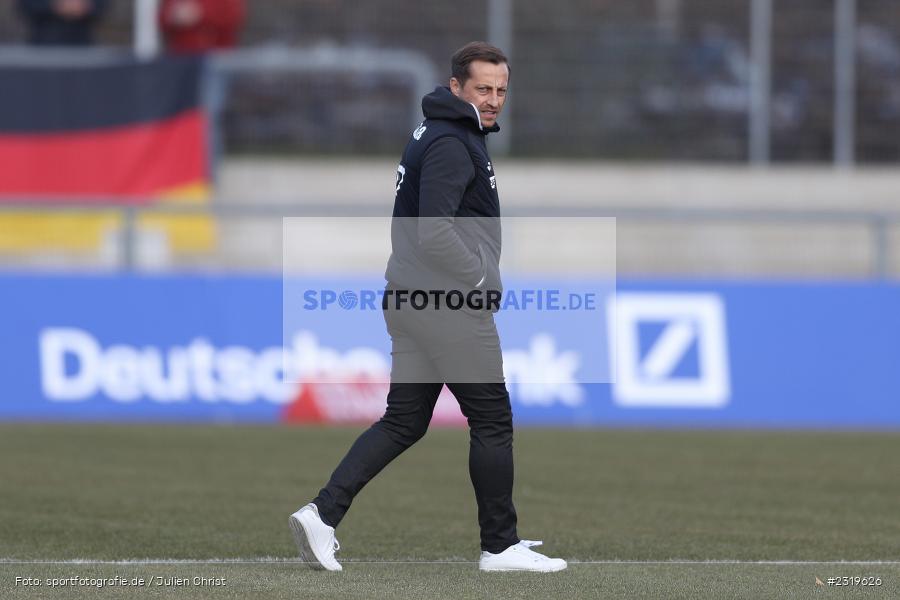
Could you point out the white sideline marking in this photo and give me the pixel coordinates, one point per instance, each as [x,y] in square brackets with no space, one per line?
[276,560]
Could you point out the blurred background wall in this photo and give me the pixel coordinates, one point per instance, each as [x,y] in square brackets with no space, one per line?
[596,79]
[649,111]
[746,148]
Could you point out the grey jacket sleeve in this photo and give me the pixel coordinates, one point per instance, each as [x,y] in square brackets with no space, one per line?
[447,170]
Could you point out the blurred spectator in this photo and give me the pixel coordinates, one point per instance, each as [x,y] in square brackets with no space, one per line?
[199,26]
[190,26]
[62,22]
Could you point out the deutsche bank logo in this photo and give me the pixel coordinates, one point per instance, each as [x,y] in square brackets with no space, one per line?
[671,350]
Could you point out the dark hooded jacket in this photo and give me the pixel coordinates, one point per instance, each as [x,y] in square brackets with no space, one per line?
[445,232]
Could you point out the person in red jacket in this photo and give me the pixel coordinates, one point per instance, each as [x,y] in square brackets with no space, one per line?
[198,27]
[192,26]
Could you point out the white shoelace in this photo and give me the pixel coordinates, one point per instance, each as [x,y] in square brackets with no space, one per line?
[525,548]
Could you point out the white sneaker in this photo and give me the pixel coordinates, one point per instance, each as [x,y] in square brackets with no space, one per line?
[315,540]
[520,557]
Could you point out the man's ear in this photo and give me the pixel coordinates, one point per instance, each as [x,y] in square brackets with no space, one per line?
[454,86]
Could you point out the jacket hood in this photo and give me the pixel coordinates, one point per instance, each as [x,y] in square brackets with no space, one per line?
[442,104]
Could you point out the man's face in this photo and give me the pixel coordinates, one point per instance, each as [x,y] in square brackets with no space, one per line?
[485,88]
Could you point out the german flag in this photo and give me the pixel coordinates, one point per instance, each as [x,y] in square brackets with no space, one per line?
[131,132]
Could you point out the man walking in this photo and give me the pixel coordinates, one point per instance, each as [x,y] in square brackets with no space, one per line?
[445,237]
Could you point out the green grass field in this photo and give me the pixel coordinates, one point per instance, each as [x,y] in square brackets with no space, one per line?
[637,513]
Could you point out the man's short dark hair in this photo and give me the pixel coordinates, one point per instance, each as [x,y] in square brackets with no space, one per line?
[462,58]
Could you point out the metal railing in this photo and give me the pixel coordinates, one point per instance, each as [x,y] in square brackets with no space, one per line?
[877,222]
[336,59]
[329,59]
